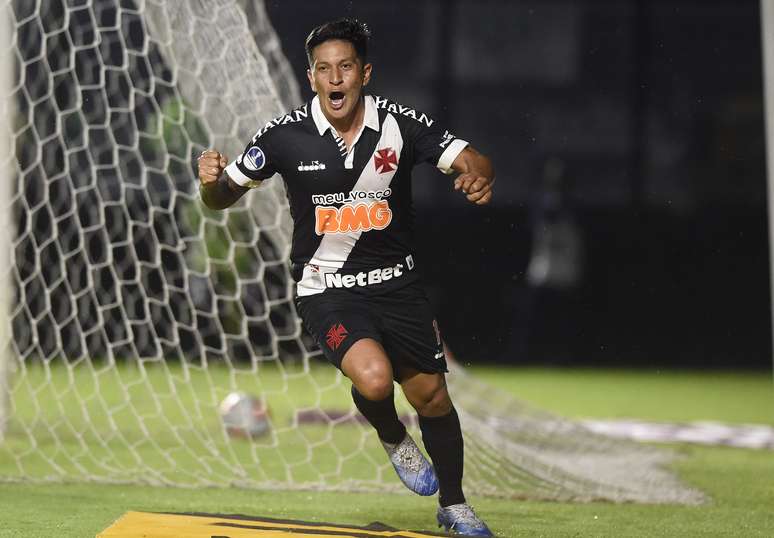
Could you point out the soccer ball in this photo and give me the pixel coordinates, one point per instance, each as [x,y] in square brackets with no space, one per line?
[244,415]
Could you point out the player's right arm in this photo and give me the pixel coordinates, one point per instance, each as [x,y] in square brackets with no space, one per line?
[222,184]
[217,189]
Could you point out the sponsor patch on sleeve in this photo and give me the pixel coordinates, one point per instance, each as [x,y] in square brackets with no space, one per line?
[254,159]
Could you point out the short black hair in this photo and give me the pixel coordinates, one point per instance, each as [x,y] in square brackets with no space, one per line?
[346,29]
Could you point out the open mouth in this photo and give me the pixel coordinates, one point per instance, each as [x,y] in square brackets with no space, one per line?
[337,100]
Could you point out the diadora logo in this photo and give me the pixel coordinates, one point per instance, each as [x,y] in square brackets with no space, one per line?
[353,217]
[335,336]
[384,159]
[311,167]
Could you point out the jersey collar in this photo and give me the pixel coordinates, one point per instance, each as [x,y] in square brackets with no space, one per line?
[370,120]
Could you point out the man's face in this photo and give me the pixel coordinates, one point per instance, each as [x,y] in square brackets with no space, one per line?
[337,76]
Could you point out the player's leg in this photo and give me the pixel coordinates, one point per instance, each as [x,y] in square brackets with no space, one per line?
[346,332]
[441,432]
[442,436]
[411,337]
[367,366]
[370,370]
[343,327]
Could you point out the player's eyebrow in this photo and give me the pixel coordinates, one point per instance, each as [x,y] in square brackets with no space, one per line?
[338,62]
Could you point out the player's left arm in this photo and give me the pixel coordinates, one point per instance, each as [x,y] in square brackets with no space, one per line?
[432,144]
[476,175]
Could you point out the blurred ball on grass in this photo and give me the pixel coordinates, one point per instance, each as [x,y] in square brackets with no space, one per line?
[244,415]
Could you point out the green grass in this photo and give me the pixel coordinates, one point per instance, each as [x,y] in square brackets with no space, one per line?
[739,481]
[60,412]
[658,395]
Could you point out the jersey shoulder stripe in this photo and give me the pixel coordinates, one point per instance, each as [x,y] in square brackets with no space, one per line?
[294,116]
[397,108]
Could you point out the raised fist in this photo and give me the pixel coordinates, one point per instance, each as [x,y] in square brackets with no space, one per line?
[211,166]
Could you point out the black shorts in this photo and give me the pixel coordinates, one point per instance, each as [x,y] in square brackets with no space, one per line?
[401,321]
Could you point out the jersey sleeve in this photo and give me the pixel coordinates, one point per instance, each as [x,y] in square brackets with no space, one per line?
[257,162]
[435,145]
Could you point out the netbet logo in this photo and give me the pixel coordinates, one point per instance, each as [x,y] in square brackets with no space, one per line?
[368,278]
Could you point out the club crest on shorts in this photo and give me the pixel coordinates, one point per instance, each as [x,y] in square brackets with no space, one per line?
[254,159]
[335,336]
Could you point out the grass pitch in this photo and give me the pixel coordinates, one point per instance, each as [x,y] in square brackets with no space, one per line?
[739,481]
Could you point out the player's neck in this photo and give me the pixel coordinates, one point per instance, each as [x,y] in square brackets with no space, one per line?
[348,126]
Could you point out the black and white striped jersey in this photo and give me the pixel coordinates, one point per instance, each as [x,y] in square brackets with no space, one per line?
[351,208]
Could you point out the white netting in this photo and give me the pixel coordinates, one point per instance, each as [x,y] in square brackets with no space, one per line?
[135,310]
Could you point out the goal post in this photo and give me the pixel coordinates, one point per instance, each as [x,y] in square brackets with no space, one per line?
[7,228]
[130,311]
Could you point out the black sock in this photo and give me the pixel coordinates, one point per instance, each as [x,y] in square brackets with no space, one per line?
[382,416]
[443,440]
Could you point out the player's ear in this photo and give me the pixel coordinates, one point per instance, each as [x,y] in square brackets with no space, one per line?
[366,74]
[311,80]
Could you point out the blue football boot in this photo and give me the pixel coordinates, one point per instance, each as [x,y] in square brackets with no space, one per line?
[412,467]
[461,520]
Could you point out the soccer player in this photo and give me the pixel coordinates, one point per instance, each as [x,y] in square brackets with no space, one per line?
[346,160]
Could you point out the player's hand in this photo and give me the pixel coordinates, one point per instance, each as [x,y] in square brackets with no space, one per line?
[211,166]
[478,188]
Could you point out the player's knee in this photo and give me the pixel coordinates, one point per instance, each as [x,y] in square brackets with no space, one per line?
[438,406]
[434,403]
[375,385]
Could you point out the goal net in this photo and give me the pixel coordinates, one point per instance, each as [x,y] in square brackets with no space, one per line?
[129,310]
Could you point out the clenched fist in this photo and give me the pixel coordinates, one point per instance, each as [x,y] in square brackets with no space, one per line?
[211,166]
[477,187]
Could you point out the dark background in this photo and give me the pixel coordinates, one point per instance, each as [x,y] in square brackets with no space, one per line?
[654,109]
